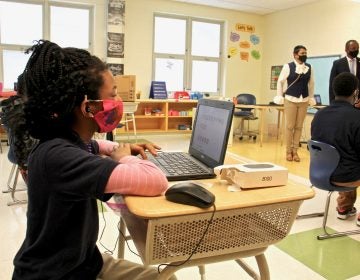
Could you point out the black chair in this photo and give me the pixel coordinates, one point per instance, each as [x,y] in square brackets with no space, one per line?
[324,159]
[245,114]
[13,176]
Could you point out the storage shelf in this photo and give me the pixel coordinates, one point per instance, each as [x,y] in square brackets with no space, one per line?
[149,117]
[164,123]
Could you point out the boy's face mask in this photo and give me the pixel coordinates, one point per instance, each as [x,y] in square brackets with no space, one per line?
[109,115]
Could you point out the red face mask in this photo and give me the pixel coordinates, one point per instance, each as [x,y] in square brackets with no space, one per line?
[109,117]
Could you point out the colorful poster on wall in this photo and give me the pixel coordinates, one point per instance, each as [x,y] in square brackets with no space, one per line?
[232,52]
[116,12]
[115,45]
[255,54]
[274,76]
[116,68]
[234,37]
[244,44]
[244,56]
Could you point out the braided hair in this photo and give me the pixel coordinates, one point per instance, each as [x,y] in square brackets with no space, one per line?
[56,80]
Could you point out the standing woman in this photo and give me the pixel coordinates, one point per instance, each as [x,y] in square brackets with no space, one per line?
[295,89]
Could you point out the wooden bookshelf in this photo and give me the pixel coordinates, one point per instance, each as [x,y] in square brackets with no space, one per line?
[160,116]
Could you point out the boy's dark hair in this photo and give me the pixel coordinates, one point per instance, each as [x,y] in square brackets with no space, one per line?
[345,84]
[298,48]
[347,44]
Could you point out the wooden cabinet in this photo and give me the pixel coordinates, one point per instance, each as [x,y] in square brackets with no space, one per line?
[158,116]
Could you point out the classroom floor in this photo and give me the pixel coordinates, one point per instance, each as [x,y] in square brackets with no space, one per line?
[299,256]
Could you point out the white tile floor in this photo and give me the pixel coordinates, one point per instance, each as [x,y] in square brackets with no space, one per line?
[282,266]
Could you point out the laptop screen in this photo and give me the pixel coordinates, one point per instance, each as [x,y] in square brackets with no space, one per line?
[317,99]
[211,131]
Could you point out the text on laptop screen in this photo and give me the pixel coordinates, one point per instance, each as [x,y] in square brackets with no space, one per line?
[209,133]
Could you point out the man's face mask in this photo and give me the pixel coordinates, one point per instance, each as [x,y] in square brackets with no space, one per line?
[353,54]
[109,116]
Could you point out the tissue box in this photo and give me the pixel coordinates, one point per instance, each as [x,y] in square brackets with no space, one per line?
[255,175]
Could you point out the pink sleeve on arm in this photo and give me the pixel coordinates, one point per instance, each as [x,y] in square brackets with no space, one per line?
[136,176]
[106,146]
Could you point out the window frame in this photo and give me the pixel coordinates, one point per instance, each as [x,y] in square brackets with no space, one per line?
[188,58]
[46,18]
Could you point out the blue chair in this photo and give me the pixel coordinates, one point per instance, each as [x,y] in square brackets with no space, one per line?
[324,159]
[245,114]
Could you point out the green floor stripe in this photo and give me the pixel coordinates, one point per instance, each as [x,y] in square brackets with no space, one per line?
[334,259]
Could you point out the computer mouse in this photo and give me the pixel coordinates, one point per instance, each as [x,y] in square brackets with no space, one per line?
[191,194]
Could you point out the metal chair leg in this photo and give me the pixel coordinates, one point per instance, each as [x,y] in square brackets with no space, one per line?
[13,190]
[327,235]
[311,215]
[8,184]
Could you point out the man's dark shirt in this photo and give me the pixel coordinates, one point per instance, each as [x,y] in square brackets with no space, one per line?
[339,126]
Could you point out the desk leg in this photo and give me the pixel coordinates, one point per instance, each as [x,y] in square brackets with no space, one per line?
[202,271]
[263,267]
[134,125]
[262,124]
[278,126]
[282,133]
[281,125]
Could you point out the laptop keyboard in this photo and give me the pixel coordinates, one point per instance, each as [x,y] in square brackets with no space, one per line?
[175,164]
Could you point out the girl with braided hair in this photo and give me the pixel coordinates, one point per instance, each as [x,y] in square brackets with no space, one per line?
[70,95]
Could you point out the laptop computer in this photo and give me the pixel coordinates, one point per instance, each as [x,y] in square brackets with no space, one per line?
[208,144]
[317,98]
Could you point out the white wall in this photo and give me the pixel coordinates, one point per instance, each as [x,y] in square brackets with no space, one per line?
[323,27]
[240,76]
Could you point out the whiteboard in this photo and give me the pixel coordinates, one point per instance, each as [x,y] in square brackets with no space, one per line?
[321,65]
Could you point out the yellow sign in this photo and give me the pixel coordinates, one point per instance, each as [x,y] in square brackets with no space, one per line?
[245,27]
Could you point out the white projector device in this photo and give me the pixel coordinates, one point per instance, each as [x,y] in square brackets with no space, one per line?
[253,175]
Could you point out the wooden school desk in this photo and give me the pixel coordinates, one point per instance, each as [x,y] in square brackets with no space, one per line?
[262,118]
[244,225]
[280,118]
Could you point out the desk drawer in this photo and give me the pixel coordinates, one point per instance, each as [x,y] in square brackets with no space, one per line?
[172,239]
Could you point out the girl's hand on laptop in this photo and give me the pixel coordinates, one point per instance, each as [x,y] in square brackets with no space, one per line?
[137,149]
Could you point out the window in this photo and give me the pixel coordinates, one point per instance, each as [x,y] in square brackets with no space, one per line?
[69,27]
[187,53]
[21,24]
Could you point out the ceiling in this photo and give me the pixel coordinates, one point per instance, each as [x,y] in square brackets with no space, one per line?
[260,7]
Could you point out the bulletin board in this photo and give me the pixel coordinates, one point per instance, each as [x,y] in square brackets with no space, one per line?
[275,73]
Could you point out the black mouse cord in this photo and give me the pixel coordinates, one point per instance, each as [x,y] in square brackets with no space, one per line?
[107,250]
[196,247]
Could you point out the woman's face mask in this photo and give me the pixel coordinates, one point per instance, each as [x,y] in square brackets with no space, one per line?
[109,116]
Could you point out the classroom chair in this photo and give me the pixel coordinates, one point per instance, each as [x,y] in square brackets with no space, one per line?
[245,114]
[324,159]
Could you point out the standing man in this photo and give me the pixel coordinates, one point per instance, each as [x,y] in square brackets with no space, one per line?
[349,63]
[295,89]
[339,126]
